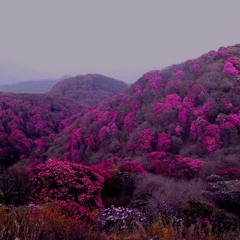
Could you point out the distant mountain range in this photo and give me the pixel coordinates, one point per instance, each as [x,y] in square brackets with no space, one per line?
[11,72]
[37,86]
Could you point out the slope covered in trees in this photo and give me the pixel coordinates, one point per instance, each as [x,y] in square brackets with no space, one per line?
[28,121]
[90,89]
[163,156]
[171,119]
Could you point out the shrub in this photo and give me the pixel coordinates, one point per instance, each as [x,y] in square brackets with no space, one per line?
[120,218]
[196,211]
[164,195]
[74,187]
[230,173]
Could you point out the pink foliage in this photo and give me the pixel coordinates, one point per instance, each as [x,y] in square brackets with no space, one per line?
[234,61]
[132,167]
[135,105]
[183,116]
[178,130]
[193,165]
[138,90]
[107,130]
[230,173]
[230,69]
[155,80]
[226,125]
[103,116]
[128,122]
[174,166]
[210,144]
[90,141]
[173,101]
[75,143]
[73,187]
[173,83]
[146,139]
[235,119]
[204,109]
[180,74]
[153,74]
[40,143]
[164,142]
[198,128]
[20,141]
[196,68]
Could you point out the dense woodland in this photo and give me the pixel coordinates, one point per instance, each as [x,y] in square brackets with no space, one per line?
[157,160]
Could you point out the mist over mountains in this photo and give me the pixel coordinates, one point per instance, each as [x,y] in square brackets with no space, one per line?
[37,86]
[11,72]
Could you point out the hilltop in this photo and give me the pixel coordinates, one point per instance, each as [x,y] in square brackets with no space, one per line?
[89,89]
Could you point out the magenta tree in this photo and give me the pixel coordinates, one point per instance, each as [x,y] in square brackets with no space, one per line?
[73,187]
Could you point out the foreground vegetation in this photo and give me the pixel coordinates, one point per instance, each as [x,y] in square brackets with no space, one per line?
[48,223]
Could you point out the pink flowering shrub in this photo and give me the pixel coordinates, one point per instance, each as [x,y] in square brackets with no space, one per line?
[196,68]
[229,173]
[128,122]
[138,90]
[131,167]
[234,61]
[198,128]
[174,166]
[164,142]
[146,139]
[179,74]
[230,69]
[73,187]
[173,101]
[212,140]
[75,143]
[235,119]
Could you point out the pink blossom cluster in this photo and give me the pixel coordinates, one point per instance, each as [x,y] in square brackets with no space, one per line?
[179,74]
[173,101]
[131,167]
[230,69]
[73,187]
[231,173]
[146,139]
[138,90]
[196,68]
[174,166]
[164,142]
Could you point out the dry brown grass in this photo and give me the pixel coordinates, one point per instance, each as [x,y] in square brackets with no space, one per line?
[48,224]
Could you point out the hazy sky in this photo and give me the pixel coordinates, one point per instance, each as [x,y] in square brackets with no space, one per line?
[117,38]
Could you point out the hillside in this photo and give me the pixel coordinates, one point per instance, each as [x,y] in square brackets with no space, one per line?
[89,89]
[159,160]
[184,114]
[28,121]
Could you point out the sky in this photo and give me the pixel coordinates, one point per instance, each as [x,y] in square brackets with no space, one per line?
[121,39]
